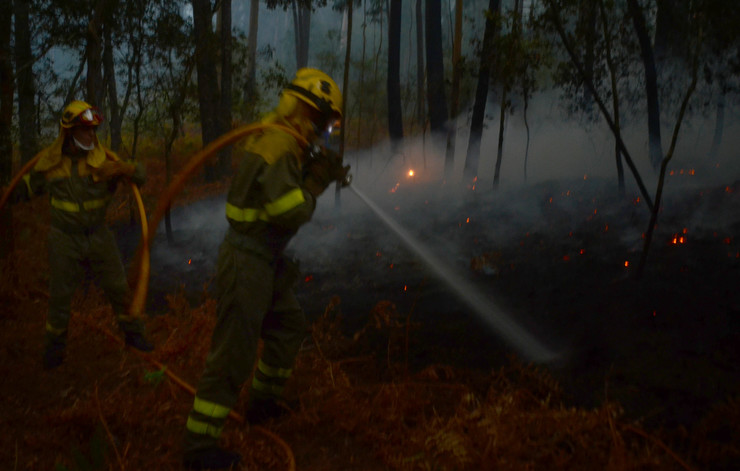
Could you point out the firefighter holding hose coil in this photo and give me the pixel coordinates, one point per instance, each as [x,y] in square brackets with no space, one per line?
[81,176]
[272,195]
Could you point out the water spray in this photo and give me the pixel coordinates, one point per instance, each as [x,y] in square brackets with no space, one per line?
[528,346]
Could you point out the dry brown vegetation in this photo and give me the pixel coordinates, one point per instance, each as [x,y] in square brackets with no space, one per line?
[356,404]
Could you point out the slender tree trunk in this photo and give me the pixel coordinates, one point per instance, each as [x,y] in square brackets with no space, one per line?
[395,114]
[671,23]
[26,82]
[481,96]
[500,145]
[455,92]
[651,83]
[587,21]
[376,72]
[6,121]
[110,80]
[362,75]
[224,113]
[420,65]
[302,25]
[615,93]
[251,82]
[345,94]
[94,47]
[719,125]
[208,94]
[435,71]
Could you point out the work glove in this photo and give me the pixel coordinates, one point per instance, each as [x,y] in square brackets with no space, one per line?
[115,168]
[323,168]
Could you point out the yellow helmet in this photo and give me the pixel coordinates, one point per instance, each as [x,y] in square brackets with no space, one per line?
[80,113]
[318,90]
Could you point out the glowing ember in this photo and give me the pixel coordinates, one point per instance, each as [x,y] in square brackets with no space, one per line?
[411,173]
[626,263]
[467,220]
[395,188]
[308,278]
[190,261]
[678,239]
[582,251]
[566,258]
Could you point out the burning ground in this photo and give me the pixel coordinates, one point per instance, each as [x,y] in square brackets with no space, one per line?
[399,371]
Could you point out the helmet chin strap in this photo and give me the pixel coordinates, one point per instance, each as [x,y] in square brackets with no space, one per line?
[91,146]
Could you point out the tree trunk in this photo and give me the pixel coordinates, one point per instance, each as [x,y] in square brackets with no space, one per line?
[719,125]
[110,80]
[251,82]
[651,83]
[615,93]
[500,146]
[224,156]
[302,28]
[94,48]
[435,70]
[455,92]
[6,120]
[671,24]
[420,65]
[345,94]
[481,96]
[208,94]
[26,82]
[395,114]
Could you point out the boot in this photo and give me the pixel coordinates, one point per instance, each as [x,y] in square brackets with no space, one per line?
[53,354]
[210,458]
[138,341]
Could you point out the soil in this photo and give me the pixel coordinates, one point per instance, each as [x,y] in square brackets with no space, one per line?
[559,259]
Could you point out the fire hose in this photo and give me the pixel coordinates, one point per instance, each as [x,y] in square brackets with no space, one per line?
[187,387]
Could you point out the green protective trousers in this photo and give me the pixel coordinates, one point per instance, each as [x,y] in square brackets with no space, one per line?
[255,300]
[70,255]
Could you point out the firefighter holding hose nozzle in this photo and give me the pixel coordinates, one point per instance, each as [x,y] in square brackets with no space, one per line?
[272,194]
[81,176]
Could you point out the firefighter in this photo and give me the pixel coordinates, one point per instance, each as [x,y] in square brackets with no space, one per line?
[81,176]
[272,194]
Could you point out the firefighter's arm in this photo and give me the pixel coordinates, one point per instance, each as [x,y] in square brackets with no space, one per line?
[31,184]
[115,168]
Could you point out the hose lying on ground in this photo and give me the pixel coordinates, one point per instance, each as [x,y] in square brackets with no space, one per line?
[187,387]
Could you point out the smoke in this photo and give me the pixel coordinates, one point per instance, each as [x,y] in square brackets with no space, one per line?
[347,248]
